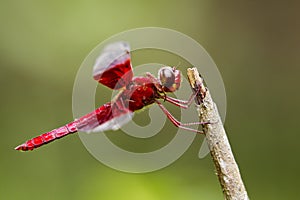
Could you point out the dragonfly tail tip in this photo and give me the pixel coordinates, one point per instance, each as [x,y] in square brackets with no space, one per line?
[20,147]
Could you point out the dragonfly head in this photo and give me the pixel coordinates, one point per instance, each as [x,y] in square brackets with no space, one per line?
[169,78]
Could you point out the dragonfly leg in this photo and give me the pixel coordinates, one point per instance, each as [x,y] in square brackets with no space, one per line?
[178,123]
[181,103]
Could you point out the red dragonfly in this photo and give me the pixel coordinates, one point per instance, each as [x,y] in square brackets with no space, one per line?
[113,69]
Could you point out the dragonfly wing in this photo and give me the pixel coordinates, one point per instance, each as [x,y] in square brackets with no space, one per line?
[104,118]
[115,123]
[113,67]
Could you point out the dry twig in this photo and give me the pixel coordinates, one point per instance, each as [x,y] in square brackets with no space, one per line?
[220,150]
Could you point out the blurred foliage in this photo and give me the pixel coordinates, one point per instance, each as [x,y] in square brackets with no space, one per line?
[254,43]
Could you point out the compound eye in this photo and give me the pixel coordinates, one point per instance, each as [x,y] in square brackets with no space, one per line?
[166,77]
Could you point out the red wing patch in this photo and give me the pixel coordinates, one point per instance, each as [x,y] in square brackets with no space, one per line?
[113,67]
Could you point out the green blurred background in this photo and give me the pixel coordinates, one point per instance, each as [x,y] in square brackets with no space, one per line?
[255,44]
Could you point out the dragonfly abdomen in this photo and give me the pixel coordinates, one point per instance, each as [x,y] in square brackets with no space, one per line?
[48,137]
[85,123]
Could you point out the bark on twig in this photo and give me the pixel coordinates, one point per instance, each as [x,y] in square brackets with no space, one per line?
[220,150]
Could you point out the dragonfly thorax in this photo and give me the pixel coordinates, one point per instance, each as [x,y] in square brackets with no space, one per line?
[140,93]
